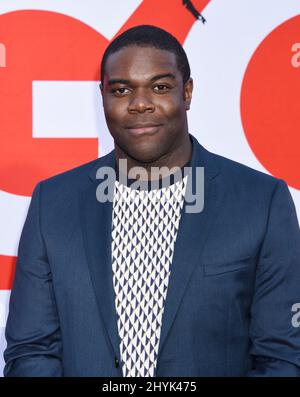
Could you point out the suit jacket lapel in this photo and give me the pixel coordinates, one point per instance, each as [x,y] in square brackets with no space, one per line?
[191,237]
[96,220]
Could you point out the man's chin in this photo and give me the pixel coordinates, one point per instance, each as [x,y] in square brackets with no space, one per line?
[145,158]
[144,153]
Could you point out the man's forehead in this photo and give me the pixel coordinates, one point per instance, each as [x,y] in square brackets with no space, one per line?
[148,61]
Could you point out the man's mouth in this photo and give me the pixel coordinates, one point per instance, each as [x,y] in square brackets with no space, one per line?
[143,128]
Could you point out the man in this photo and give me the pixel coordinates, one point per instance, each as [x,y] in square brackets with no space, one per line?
[138,285]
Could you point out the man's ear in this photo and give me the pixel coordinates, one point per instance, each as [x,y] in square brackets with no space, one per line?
[188,90]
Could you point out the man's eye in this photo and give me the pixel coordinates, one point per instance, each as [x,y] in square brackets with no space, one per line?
[119,90]
[161,87]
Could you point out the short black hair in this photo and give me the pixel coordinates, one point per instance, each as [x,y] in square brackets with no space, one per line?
[149,36]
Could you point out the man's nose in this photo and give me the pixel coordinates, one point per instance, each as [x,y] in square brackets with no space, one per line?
[141,102]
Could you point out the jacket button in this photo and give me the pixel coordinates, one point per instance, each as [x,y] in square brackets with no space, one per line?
[116,362]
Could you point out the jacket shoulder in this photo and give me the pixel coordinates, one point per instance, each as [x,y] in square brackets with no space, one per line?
[76,177]
[240,173]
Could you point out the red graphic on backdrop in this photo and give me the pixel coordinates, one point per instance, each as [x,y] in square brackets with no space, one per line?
[8,267]
[270,103]
[43,45]
[40,46]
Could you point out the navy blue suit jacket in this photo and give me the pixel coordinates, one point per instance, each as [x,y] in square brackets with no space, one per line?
[235,277]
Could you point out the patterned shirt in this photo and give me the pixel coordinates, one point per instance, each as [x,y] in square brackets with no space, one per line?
[144,229]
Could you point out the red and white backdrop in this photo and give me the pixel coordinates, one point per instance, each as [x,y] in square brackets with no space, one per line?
[245,61]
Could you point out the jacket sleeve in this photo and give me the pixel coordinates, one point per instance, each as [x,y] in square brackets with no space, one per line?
[34,346]
[274,329]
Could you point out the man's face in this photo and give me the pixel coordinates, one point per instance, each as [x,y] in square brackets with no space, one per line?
[145,102]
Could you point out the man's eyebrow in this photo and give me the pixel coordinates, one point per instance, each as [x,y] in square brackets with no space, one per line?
[154,78]
[115,81]
[163,75]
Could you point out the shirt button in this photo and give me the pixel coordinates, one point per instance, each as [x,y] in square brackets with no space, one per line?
[116,362]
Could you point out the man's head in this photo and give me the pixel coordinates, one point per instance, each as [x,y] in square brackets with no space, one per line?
[145,80]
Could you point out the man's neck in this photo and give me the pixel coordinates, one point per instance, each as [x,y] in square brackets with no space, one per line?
[178,158]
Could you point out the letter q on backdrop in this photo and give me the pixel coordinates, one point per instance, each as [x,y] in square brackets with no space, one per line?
[245,61]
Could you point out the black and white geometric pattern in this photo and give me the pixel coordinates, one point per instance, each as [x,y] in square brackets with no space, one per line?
[144,230]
